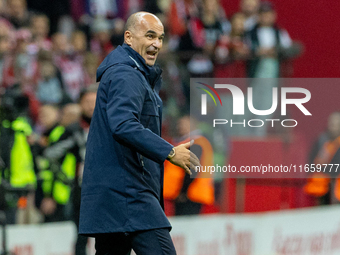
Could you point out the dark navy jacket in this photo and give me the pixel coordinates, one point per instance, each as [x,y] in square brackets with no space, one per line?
[123,173]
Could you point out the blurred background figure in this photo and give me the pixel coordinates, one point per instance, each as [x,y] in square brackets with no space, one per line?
[71,114]
[215,24]
[232,51]
[24,67]
[40,28]
[332,132]
[49,88]
[48,120]
[326,150]
[18,169]
[90,68]
[6,39]
[267,43]
[185,28]
[79,43]
[69,65]
[250,10]
[189,193]
[117,37]
[101,40]
[238,48]
[18,14]
[58,162]
[2,7]
[58,12]
[87,102]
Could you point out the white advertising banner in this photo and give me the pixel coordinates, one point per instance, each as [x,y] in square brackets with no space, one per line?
[42,239]
[297,232]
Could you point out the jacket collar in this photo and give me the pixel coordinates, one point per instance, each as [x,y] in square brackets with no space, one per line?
[151,73]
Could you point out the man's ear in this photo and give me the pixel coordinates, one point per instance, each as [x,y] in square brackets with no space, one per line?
[128,37]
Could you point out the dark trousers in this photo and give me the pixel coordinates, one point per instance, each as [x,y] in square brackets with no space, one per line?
[81,244]
[149,242]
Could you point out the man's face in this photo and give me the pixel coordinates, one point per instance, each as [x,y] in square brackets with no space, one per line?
[60,43]
[250,7]
[17,8]
[48,116]
[146,38]
[40,26]
[267,19]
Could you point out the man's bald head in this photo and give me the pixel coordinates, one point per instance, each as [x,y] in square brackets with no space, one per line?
[144,33]
[137,18]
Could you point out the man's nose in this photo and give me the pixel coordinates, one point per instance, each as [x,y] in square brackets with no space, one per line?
[157,43]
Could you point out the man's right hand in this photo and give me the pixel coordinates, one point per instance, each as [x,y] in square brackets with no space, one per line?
[184,158]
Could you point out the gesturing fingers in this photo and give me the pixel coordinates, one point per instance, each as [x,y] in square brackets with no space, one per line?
[188,144]
[193,167]
[194,160]
[187,170]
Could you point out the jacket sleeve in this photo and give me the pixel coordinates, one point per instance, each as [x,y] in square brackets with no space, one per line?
[125,100]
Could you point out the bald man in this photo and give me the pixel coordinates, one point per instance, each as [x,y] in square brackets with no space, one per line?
[122,189]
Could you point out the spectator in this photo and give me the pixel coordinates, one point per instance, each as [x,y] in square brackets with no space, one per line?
[238,48]
[91,63]
[87,101]
[61,155]
[18,14]
[268,44]
[126,8]
[79,43]
[40,27]
[250,9]
[214,23]
[185,27]
[104,9]
[117,37]
[332,132]
[101,8]
[152,6]
[16,152]
[6,76]
[2,8]
[70,114]
[231,51]
[24,65]
[50,89]
[56,10]
[69,65]
[101,36]
[60,44]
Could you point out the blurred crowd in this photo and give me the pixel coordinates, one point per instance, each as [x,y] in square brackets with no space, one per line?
[49,53]
[51,49]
